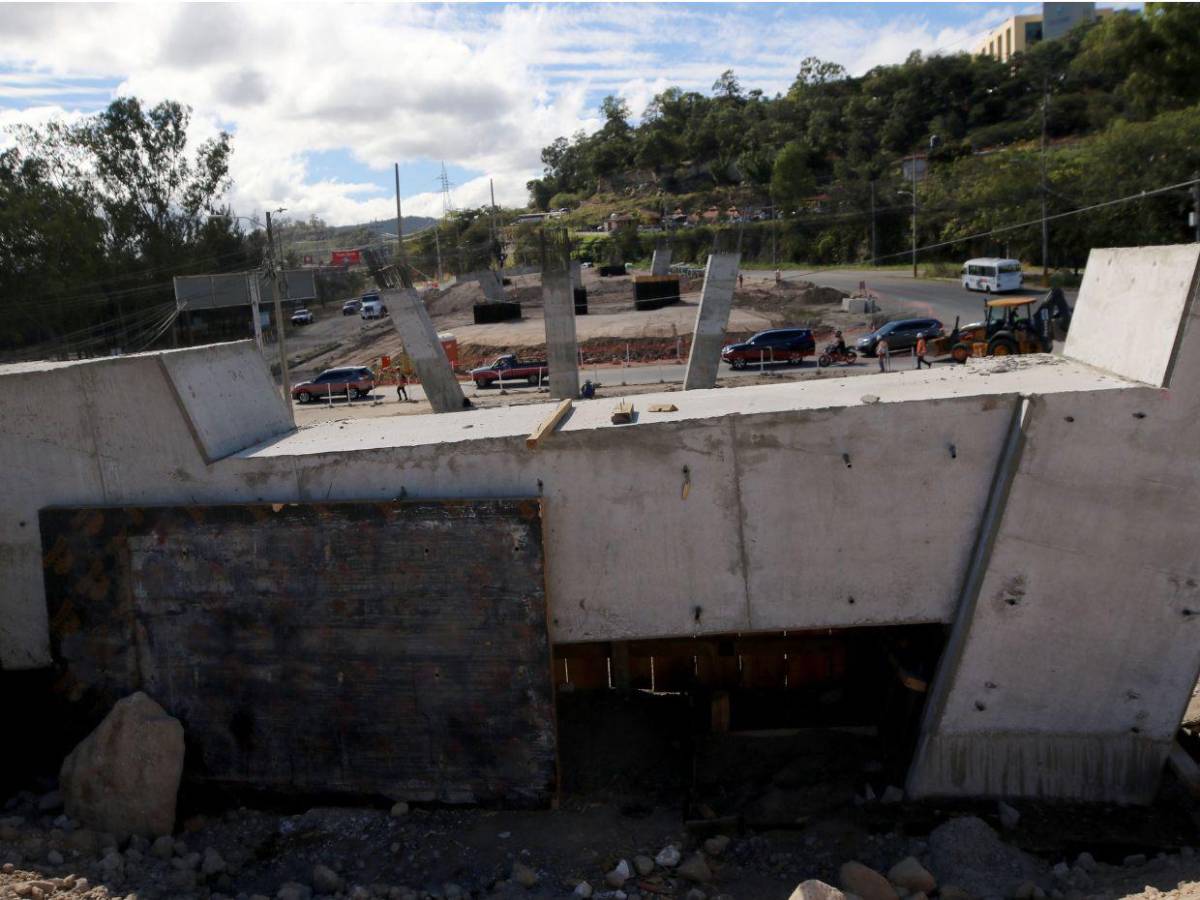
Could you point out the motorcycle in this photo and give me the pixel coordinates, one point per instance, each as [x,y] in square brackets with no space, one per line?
[833,355]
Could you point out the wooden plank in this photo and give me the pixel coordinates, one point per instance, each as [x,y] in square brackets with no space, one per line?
[395,649]
[663,407]
[623,413]
[547,427]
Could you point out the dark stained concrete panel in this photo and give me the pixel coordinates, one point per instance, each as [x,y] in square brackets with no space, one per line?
[393,648]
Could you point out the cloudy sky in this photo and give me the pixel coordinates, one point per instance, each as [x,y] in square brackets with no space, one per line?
[322,99]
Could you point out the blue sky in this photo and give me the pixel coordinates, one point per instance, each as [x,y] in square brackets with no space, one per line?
[323,99]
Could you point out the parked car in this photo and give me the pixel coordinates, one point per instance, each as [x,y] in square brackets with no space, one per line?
[302,317]
[351,382]
[351,307]
[510,368]
[372,307]
[901,334]
[788,345]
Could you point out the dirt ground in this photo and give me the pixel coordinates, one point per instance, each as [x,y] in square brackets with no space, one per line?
[750,816]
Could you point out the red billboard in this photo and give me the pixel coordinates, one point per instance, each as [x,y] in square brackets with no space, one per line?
[345,258]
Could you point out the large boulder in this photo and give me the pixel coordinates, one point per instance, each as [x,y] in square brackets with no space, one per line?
[123,778]
[967,852]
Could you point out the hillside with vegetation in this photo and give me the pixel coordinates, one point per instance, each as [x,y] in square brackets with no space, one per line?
[1117,100]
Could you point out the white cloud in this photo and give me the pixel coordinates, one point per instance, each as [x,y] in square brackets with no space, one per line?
[484,88]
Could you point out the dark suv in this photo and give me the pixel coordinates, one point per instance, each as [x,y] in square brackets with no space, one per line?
[789,345]
[900,335]
[351,382]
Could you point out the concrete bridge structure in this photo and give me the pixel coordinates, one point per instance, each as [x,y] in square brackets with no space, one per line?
[1043,510]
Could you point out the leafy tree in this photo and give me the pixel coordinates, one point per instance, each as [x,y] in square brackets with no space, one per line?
[792,177]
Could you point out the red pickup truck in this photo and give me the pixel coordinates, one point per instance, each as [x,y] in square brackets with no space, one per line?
[510,368]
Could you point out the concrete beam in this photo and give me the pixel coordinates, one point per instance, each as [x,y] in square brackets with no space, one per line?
[562,351]
[420,340]
[660,263]
[716,300]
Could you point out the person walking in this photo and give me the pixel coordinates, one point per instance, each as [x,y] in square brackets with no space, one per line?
[740,276]
[881,351]
[921,348]
[402,388]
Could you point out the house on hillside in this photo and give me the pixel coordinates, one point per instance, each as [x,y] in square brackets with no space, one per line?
[619,221]
[818,203]
[710,216]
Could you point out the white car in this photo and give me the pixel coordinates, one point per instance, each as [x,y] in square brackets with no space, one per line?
[373,308]
[302,317]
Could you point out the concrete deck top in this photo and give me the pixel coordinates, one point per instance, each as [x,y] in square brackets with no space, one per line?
[1041,374]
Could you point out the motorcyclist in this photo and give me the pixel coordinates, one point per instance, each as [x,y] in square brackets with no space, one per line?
[839,343]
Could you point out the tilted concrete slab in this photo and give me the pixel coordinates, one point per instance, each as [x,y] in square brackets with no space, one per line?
[660,262]
[420,339]
[712,318]
[562,351]
[1041,506]
[1073,654]
[227,394]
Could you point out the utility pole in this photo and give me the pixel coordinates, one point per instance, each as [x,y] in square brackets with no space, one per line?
[399,220]
[1045,221]
[495,234]
[437,245]
[774,232]
[274,271]
[874,248]
[914,214]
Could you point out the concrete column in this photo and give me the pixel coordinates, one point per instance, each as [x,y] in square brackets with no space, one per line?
[660,263]
[411,320]
[562,352]
[493,286]
[716,300]
[576,274]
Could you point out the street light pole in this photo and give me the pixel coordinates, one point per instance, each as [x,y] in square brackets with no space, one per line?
[1045,222]
[271,267]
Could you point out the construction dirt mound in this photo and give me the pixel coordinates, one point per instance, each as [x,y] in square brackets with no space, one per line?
[788,298]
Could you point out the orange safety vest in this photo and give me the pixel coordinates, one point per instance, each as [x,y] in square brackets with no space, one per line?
[920,346]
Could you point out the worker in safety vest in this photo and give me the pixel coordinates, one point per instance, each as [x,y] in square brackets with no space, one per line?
[921,348]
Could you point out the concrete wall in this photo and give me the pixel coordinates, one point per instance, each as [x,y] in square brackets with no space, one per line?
[1070,665]
[826,503]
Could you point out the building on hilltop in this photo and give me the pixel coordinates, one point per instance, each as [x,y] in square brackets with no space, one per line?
[1018,33]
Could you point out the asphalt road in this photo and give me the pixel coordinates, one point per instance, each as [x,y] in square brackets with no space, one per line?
[898,293]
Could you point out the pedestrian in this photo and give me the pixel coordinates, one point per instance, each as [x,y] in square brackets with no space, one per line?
[778,277]
[740,277]
[881,351]
[402,388]
[921,348]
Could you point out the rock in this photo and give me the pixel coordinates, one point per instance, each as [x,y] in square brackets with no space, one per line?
[695,894]
[696,869]
[399,809]
[643,864]
[1061,870]
[716,845]
[910,874]
[892,795]
[325,880]
[123,778]
[1009,817]
[619,875]
[865,882]
[869,794]
[1134,860]
[668,857]
[967,852]
[1086,861]
[523,875]
[1025,890]
[163,846]
[816,890]
[54,858]
[583,889]
[212,863]
[358,892]
[954,892]
[50,802]
[293,890]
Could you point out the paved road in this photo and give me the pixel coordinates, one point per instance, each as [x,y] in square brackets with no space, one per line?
[898,293]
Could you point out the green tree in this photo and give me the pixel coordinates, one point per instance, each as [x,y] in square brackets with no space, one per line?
[792,177]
